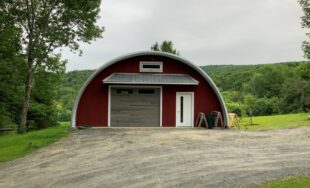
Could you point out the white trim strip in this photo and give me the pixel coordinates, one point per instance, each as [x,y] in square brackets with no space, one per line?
[192,107]
[157,63]
[109,107]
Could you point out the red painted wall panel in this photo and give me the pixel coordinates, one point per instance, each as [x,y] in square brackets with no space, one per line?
[93,105]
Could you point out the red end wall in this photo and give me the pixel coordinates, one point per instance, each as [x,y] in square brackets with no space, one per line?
[93,105]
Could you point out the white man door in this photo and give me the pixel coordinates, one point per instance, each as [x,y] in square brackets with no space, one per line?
[184,109]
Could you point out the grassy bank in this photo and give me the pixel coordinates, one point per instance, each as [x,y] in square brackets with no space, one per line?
[275,122]
[290,182]
[13,146]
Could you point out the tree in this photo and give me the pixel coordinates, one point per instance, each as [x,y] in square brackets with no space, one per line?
[47,25]
[296,91]
[11,66]
[296,96]
[305,4]
[42,109]
[249,103]
[268,81]
[166,46]
[69,87]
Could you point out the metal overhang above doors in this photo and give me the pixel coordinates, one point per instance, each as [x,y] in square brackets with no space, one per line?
[150,79]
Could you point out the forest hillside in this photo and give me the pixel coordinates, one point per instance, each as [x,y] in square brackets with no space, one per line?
[258,89]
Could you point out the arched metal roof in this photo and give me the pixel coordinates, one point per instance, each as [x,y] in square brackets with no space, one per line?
[155,53]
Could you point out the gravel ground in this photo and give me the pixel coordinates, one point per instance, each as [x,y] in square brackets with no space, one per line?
[163,157]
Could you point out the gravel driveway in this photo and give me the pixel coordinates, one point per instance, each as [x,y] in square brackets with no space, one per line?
[163,157]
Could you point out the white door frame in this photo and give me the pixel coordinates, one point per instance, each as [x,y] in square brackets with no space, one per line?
[176,109]
[135,86]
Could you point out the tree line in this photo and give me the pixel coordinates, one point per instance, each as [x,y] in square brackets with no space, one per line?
[260,89]
[263,89]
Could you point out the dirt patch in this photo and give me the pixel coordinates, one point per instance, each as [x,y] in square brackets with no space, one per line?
[163,157]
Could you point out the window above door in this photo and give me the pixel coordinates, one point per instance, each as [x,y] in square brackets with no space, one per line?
[151,66]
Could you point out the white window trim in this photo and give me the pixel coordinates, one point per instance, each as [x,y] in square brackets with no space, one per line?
[151,69]
[131,86]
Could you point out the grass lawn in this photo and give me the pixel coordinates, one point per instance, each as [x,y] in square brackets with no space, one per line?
[275,122]
[290,182]
[13,146]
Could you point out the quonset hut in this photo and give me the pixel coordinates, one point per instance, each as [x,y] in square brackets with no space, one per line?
[146,89]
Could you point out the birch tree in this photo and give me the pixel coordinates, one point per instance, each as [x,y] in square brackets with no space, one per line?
[47,25]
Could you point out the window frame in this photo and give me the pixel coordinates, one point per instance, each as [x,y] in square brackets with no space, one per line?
[156,63]
[124,91]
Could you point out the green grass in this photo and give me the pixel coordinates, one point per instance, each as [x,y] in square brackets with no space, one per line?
[275,122]
[13,145]
[290,182]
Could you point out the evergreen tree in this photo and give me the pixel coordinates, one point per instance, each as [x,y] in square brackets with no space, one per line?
[166,46]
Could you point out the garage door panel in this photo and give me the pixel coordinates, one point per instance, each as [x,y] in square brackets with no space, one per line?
[131,108]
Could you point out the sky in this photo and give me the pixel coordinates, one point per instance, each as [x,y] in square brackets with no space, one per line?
[206,32]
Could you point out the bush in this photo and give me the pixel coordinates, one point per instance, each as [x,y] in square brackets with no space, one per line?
[295,96]
[64,115]
[5,118]
[41,116]
[265,106]
[237,108]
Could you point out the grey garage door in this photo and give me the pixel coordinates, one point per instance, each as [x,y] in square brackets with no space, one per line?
[135,107]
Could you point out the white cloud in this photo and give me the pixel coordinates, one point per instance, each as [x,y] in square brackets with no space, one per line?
[204,31]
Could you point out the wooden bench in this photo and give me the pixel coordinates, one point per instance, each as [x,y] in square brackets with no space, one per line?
[218,119]
[201,119]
